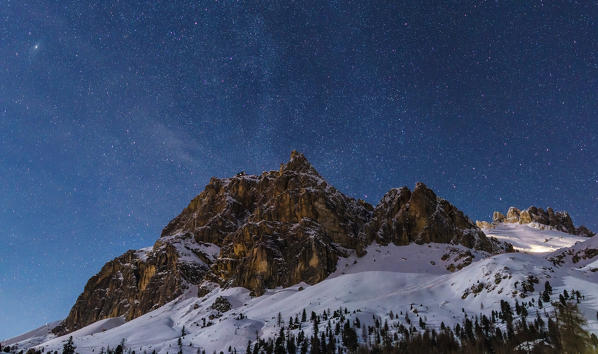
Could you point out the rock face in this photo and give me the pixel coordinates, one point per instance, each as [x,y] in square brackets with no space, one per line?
[513,215]
[484,224]
[279,228]
[584,231]
[497,216]
[559,220]
[420,216]
[276,229]
[138,282]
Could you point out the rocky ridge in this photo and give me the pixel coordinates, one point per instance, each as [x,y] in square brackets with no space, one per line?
[276,229]
[540,218]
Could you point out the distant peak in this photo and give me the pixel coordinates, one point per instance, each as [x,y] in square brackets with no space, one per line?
[557,220]
[297,155]
[298,163]
[421,185]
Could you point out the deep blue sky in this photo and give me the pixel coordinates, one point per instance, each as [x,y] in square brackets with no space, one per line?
[114,114]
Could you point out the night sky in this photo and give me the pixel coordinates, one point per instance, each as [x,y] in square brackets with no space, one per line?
[114,114]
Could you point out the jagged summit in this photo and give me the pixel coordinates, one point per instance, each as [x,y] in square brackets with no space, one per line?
[279,228]
[538,217]
[298,163]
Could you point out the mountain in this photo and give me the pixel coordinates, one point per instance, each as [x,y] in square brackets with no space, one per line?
[250,252]
[539,218]
[260,232]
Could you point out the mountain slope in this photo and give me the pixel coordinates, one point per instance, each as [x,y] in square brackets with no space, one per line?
[260,232]
[412,281]
[528,238]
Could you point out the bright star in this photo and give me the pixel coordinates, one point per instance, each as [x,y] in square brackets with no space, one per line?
[33,50]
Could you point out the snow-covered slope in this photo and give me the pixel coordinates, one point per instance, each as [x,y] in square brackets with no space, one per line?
[34,337]
[438,283]
[529,238]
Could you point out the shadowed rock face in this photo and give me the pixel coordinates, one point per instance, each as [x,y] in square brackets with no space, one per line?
[276,229]
[133,284]
[420,216]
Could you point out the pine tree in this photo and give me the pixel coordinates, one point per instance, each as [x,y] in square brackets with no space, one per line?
[280,342]
[291,347]
[315,344]
[323,344]
[331,343]
[547,292]
[304,346]
[349,337]
[574,338]
[180,344]
[69,347]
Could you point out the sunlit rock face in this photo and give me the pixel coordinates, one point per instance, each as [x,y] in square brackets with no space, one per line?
[549,219]
[484,224]
[279,228]
[512,215]
[263,231]
[497,216]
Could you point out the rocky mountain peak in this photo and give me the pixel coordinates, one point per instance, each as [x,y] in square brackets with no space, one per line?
[298,163]
[556,220]
[420,216]
[275,229]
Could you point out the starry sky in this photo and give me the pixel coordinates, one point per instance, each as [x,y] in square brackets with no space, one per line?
[114,114]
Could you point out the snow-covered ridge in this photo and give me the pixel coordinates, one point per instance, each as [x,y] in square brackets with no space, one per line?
[528,238]
[539,218]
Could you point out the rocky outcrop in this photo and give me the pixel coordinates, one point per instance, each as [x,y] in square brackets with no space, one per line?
[584,231]
[497,216]
[138,282]
[403,216]
[556,220]
[276,229]
[484,224]
[512,215]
